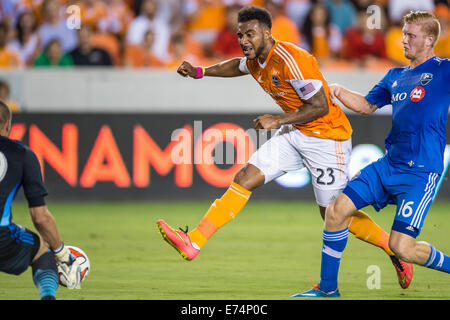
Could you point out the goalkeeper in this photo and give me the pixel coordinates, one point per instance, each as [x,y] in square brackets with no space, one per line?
[20,247]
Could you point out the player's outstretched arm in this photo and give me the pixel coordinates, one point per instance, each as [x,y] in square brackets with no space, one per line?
[351,99]
[228,68]
[46,226]
[68,267]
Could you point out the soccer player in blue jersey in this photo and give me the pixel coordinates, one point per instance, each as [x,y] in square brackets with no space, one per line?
[19,246]
[408,174]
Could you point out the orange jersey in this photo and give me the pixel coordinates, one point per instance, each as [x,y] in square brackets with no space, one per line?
[291,74]
[9,59]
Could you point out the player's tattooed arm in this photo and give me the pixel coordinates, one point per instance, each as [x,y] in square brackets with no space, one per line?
[228,68]
[351,99]
[313,108]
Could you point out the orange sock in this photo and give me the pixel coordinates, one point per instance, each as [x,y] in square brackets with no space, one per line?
[221,211]
[364,228]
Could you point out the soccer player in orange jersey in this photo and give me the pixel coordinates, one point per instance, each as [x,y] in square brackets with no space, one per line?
[314,133]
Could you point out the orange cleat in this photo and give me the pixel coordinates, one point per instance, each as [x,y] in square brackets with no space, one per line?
[179,240]
[404,272]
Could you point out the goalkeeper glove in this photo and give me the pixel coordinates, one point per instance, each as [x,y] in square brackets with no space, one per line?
[69,269]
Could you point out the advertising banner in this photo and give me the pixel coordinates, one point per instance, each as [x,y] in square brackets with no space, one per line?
[166,156]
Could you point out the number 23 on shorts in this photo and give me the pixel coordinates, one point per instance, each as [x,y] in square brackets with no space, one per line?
[326,177]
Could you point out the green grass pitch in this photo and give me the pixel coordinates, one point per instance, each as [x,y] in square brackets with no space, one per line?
[270,251]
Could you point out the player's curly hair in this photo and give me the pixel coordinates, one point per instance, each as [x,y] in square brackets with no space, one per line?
[430,24]
[255,13]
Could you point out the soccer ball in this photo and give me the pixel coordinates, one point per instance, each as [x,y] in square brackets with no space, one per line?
[82,259]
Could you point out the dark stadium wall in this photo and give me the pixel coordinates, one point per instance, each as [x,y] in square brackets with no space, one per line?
[166,156]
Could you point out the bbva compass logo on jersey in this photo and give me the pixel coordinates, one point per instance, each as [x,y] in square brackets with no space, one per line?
[425,78]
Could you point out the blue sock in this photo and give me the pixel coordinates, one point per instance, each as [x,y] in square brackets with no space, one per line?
[438,260]
[333,245]
[45,275]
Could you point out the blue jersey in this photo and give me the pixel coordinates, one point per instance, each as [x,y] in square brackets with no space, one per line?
[420,99]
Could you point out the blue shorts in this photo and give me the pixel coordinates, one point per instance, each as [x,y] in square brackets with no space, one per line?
[18,246]
[380,184]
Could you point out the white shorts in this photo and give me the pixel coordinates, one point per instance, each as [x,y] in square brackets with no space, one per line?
[326,160]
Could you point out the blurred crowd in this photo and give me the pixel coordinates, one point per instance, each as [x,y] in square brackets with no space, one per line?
[163,33]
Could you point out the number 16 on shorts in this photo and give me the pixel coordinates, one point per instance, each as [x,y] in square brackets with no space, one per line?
[405,208]
[404,220]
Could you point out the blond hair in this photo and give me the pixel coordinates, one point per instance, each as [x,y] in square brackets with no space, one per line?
[5,114]
[430,24]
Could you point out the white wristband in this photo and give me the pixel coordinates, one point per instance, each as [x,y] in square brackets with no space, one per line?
[59,249]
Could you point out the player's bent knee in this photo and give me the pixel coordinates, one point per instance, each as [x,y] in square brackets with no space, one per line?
[332,214]
[249,177]
[338,211]
[241,178]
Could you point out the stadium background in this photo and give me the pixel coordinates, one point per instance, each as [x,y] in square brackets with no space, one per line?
[139,88]
[102,127]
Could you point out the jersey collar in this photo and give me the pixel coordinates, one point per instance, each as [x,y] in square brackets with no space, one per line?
[420,65]
[264,64]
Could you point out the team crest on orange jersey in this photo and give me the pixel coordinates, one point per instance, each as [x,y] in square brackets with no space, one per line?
[275,80]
